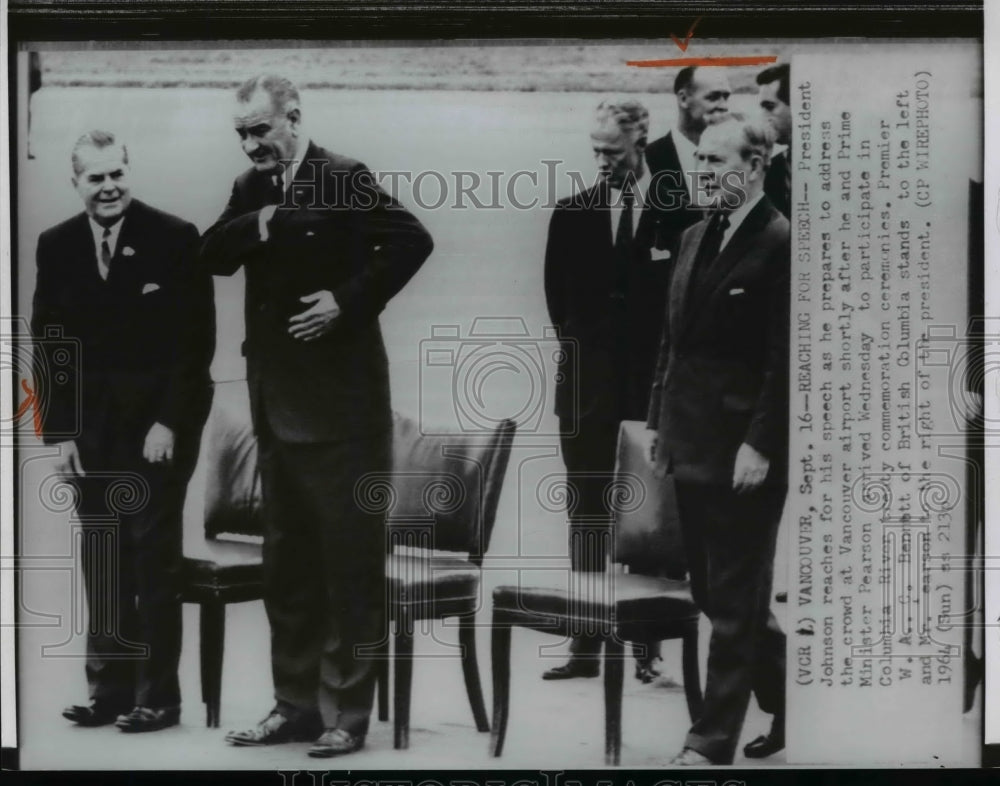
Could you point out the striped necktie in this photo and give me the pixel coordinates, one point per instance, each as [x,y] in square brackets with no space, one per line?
[105,262]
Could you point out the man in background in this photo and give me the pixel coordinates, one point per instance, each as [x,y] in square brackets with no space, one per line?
[719,406]
[121,280]
[605,283]
[324,249]
[773,98]
[702,96]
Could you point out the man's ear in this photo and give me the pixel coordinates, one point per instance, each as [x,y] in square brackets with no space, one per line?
[294,116]
[640,145]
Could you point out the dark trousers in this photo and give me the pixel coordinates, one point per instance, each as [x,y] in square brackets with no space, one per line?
[730,540]
[130,549]
[324,576]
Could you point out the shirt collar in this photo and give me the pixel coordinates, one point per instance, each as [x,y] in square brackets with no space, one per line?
[293,166]
[639,189]
[686,149]
[738,216]
[687,157]
[98,232]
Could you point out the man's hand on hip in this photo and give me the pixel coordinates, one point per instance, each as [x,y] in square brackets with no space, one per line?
[316,320]
[68,461]
[159,446]
[750,469]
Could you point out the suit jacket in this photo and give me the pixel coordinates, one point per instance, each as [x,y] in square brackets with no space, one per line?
[673,199]
[608,319]
[336,230]
[777,184]
[722,373]
[137,346]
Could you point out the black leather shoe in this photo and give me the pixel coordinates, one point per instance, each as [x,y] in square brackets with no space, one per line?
[767,744]
[572,668]
[336,742]
[276,729]
[149,719]
[97,713]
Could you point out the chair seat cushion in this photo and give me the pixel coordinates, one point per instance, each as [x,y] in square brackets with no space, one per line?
[629,597]
[425,578]
[223,563]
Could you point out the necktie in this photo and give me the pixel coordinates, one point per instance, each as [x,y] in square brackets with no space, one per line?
[277,191]
[711,244]
[623,240]
[105,263]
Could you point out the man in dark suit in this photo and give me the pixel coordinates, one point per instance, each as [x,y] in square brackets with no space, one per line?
[606,265]
[324,249]
[773,97]
[122,280]
[702,96]
[719,405]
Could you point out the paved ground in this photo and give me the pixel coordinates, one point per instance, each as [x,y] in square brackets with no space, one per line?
[551,725]
[486,263]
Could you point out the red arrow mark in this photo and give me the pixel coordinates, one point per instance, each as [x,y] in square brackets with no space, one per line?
[683,45]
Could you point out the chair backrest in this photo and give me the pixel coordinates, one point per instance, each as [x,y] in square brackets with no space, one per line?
[647,528]
[449,482]
[444,484]
[232,480]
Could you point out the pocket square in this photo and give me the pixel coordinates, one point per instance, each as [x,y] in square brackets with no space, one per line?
[659,255]
[128,251]
[310,233]
[737,291]
[147,288]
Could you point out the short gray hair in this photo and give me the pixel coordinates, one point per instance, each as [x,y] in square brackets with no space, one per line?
[756,136]
[98,140]
[628,114]
[284,94]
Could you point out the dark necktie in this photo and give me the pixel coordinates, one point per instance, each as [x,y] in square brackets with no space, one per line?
[711,244]
[105,266]
[623,241]
[276,194]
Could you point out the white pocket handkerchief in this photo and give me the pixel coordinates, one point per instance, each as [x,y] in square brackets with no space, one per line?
[737,291]
[147,288]
[128,251]
[310,233]
[658,255]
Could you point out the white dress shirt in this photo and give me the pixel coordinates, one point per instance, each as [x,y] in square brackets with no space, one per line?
[98,232]
[287,177]
[617,205]
[738,216]
[686,155]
